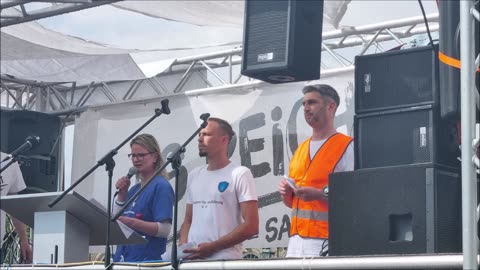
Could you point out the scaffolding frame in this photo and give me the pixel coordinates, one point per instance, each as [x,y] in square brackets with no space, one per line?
[219,70]
[56,7]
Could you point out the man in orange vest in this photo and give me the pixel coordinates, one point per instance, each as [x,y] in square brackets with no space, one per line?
[326,151]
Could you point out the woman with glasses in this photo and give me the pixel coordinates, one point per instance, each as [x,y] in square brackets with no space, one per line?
[150,215]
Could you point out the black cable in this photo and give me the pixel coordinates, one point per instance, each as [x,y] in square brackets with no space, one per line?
[426,23]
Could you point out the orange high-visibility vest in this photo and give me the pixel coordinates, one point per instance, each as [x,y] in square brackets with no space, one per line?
[310,219]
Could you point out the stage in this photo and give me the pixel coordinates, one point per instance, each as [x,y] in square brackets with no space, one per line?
[439,261]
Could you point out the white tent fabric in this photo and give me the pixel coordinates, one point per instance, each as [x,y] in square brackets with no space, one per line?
[217,13]
[30,51]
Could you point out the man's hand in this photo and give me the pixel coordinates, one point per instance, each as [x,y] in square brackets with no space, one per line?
[202,251]
[309,194]
[26,251]
[286,192]
[284,188]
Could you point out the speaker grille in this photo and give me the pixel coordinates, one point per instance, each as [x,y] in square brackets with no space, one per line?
[282,40]
[395,79]
[271,15]
[405,136]
[398,138]
[18,125]
[364,203]
[448,219]
[38,165]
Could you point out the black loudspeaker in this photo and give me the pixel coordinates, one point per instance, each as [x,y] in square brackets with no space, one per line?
[396,79]
[282,40]
[449,46]
[405,136]
[38,165]
[395,210]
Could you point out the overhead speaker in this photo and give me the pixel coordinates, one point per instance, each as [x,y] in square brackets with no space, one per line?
[282,40]
[405,136]
[39,165]
[410,209]
[396,79]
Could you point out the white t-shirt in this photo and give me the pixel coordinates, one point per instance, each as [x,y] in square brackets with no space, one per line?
[11,182]
[308,247]
[215,197]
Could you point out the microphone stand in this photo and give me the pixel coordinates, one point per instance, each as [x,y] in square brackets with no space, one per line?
[176,161]
[12,157]
[110,164]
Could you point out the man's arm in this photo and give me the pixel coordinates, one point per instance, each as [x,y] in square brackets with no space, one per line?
[17,185]
[185,228]
[310,194]
[242,232]
[25,249]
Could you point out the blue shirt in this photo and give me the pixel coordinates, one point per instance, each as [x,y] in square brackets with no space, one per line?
[155,204]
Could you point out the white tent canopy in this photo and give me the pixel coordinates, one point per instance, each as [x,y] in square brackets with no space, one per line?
[30,51]
[217,13]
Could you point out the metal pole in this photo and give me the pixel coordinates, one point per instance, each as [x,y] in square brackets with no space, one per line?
[330,263]
[470,240]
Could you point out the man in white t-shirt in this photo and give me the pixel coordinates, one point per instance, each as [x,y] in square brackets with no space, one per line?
[222,207]
[11,182]
[326,151]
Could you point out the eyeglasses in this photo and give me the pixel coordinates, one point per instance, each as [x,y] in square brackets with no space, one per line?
[139,156]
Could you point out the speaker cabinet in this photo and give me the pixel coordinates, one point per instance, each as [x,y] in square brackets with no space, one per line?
[38,165]
[405,136]
[395,210]
[396,79]
[449,45]
[282,40]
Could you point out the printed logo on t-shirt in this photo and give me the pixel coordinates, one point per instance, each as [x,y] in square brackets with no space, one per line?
[222,186]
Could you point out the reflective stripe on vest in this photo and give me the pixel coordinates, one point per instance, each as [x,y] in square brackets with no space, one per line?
[310,219]
[309,214]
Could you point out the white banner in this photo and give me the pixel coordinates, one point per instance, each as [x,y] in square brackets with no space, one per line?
[268,123]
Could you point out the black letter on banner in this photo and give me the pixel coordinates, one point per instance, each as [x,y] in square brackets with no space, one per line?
[231,146]
[270,228]
[247,146]
[346,118]
[277,143]
[292,126]
[285,228]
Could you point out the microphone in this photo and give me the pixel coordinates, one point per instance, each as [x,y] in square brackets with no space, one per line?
[204,117]
[165,108]
[30,142]
[131,172]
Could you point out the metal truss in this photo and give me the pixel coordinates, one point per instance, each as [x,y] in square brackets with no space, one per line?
[55,7]
[219,70]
